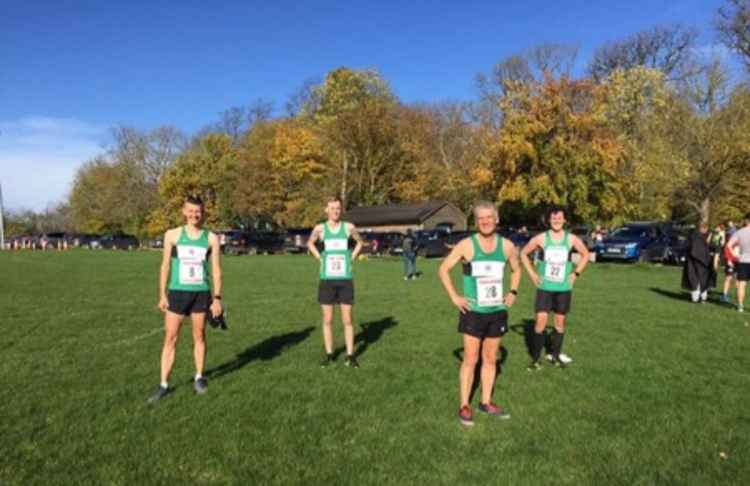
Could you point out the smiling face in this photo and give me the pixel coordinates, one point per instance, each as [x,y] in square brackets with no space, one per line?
[193,213]
[333,211]
[487,220]
[557,220]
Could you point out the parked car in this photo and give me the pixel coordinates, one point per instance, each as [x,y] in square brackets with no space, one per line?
[268,242]
[232,242]
[677,248]
[295,240]
[432,243]
[639,241]
[382,243]
[83,240]
[115,242]
[51,240]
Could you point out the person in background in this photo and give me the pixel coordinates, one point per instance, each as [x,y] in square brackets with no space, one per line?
[409,255]
[698,274]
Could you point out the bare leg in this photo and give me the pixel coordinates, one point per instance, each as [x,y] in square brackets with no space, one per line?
[489,367]
[199,341]
[327,331]
[466,374]
[741,293]
[172,323]
[346,318]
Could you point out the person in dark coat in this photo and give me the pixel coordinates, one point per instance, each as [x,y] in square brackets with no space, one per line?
[698,274]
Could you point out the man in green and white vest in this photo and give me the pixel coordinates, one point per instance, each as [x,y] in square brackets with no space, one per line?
[190,265]
[483,307]
[336,285]
[554,278]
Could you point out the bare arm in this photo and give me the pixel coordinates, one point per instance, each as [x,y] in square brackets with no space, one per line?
[213,241]
[314,237]
[166,260]
[215,244]
[458,253]
[583,251]
[354,233]
[515,267]
[533,244]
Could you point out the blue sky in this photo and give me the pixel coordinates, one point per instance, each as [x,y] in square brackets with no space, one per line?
[70,70]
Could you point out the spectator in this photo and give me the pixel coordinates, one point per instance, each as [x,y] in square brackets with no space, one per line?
[698,274]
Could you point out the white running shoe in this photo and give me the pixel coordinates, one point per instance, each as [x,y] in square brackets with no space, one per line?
[563,357]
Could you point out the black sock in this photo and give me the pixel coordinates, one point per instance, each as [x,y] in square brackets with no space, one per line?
[557,342]
[537,345]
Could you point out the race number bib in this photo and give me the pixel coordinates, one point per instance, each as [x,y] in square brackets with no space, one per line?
[336,244]
[191,272]
[489,291]
[336,265]
[191,260]
[555,261]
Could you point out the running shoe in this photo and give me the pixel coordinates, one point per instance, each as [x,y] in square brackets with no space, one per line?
[351,362]
[161,392]
[563,357]
[327,361]
[200,385]
[465,416]
[494,410]
[534,366]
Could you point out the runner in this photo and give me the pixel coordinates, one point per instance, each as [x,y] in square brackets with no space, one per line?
[336,286]
[730,271]
[554,282]
[184,290]
[741,240]
[483,318]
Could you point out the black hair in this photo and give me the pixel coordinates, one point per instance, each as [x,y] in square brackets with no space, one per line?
[194,199]
[555,209]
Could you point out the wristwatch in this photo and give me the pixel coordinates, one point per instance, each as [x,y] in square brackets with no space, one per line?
[577,274]
[217,297]
[514,291]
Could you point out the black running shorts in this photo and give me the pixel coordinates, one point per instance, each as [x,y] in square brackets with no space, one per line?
[557,302]
[184,302]
[332,292]
[743,271]
[480,325]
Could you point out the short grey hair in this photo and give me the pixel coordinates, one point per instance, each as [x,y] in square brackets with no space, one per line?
[484,205]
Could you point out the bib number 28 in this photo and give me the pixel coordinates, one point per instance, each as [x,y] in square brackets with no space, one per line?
[336,265]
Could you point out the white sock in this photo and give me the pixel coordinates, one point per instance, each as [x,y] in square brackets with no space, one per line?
[198,376]
[164,384]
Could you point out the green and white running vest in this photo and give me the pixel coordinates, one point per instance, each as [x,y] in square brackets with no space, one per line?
[336,259]
[189,270]
[556,266]
[483,278]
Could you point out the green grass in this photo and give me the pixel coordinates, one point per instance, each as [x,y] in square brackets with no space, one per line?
[658,388]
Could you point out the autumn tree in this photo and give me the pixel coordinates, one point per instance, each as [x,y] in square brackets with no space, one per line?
[282,173]
[669,49]
[556,148]
[733,26]
[206,170]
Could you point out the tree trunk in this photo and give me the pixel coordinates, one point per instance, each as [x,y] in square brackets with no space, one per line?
[344,176]
[705,210]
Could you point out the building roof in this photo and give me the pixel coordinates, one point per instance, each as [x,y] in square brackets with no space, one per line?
[395,213]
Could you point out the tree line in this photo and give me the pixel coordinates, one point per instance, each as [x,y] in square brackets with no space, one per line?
[651,130]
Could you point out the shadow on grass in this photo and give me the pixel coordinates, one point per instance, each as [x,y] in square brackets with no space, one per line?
[683,296]
[370,333]
[458,353]
[714,297]
[265,350]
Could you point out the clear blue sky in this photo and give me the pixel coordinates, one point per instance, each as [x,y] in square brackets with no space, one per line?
[69,70]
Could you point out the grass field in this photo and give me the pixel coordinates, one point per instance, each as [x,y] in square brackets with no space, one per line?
[657,394]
